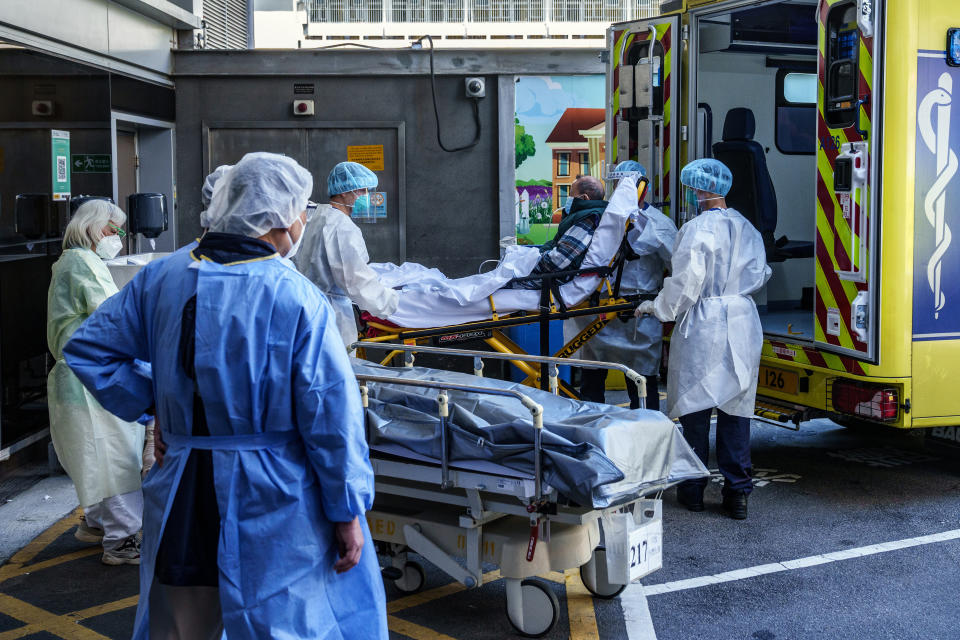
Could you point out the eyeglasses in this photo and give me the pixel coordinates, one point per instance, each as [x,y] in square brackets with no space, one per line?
[120,232]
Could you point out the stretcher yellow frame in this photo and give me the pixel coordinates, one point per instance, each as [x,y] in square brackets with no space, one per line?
[605,303]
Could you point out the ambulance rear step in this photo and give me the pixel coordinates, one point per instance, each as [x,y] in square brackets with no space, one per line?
[780,414]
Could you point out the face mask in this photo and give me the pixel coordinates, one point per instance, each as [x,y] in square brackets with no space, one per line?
[568,204]
[361,206]
[294,246]
[109,247]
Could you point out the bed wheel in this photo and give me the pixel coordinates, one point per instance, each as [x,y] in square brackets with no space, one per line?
[412,579]
[532,607]
[594,576]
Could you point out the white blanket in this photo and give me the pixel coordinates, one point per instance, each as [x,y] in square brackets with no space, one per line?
[430,299]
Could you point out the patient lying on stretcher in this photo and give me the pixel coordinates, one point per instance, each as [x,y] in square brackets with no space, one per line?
[567,250]
[430,299]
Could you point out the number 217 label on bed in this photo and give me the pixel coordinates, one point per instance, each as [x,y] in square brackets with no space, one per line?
[646,549]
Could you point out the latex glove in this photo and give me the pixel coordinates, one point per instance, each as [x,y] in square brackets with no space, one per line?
[645,309]
[149,449]
[349,544]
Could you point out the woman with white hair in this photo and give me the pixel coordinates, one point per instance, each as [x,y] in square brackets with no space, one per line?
[100,452]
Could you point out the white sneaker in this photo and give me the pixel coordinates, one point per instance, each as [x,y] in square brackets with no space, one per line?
[126,553]
[86,533]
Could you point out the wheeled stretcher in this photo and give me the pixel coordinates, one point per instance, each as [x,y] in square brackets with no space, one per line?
[435,310]
[460,504]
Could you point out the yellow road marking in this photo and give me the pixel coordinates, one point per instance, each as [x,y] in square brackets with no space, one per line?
[417,599]
[415,631]
[38,544]
[75,616]
[101,609]
[554,576]
[57,625]
[583,618]
[15,570]
[21,632]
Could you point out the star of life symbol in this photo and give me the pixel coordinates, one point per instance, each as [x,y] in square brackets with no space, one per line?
[937,105]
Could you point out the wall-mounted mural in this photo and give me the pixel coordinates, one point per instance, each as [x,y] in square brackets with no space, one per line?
[559,133]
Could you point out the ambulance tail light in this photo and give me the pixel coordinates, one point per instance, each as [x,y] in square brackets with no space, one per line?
[871,401]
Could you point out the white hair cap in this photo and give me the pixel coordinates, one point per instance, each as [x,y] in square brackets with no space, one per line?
[206,193]
[263,191]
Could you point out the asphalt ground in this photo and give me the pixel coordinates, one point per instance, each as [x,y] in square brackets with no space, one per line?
[822,490]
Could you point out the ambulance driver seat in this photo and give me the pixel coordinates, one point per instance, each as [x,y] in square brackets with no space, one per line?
[752,193]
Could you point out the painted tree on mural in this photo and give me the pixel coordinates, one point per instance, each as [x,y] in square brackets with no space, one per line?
[524,142]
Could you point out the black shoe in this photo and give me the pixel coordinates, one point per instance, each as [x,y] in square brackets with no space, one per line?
[692,501]
[735,504]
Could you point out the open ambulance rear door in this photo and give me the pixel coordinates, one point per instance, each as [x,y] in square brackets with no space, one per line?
[642,116]
[848,166]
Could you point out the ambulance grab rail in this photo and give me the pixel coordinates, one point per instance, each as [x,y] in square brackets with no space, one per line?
[631,375]
[535,409]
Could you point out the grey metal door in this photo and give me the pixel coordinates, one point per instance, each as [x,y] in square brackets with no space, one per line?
[329,146]
[319,146]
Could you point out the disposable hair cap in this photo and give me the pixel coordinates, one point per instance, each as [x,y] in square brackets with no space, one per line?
[707,175]
[263,191]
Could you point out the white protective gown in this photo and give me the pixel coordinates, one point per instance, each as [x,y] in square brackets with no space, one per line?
[334,257]
[637,342]
[718,262]
[100,452]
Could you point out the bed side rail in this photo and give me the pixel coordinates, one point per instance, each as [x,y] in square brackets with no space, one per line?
[443,410]
[409,350]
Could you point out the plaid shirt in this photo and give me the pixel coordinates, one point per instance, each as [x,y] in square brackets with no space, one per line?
[572,245]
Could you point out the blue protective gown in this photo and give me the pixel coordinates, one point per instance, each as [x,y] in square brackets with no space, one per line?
[287,440]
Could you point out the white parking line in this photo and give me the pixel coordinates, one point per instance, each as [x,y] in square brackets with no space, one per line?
[800,563]
[636,613]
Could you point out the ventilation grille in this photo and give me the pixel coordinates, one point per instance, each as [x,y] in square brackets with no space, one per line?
[226,22]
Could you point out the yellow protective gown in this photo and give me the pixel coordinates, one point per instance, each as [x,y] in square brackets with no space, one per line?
[100,452]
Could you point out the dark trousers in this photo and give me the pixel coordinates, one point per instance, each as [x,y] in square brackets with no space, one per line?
[593,387]
[733,450]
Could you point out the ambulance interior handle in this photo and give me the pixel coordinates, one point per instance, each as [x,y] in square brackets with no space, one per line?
[855,153]
[856,123]
[653,43]
[857,247]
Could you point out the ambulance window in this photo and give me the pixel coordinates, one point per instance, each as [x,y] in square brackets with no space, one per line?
[842,68]
[800,87]
[796,116]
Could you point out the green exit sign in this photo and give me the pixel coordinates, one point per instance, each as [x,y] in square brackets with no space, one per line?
[90,162]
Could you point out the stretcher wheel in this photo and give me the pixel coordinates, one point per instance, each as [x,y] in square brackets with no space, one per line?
[594,576]
[540,609]
[412,579]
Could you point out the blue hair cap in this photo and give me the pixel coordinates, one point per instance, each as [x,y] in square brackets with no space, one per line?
[630,166]
[350,176]
[707,175]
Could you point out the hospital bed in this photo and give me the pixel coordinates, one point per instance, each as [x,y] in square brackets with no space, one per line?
[425,316]
[439,495]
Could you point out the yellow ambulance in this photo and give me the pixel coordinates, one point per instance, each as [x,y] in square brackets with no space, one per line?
[837,120]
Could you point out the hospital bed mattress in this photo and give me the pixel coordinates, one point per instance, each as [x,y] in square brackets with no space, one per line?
[594,454]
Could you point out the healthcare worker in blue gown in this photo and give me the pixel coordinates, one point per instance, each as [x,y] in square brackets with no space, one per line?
[256,517]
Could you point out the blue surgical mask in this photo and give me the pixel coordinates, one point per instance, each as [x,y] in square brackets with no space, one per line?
[568,204]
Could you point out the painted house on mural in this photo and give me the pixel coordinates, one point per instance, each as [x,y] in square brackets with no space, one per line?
[578,145]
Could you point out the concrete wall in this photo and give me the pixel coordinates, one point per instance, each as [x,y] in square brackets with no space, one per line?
[129,36]
[452,199]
